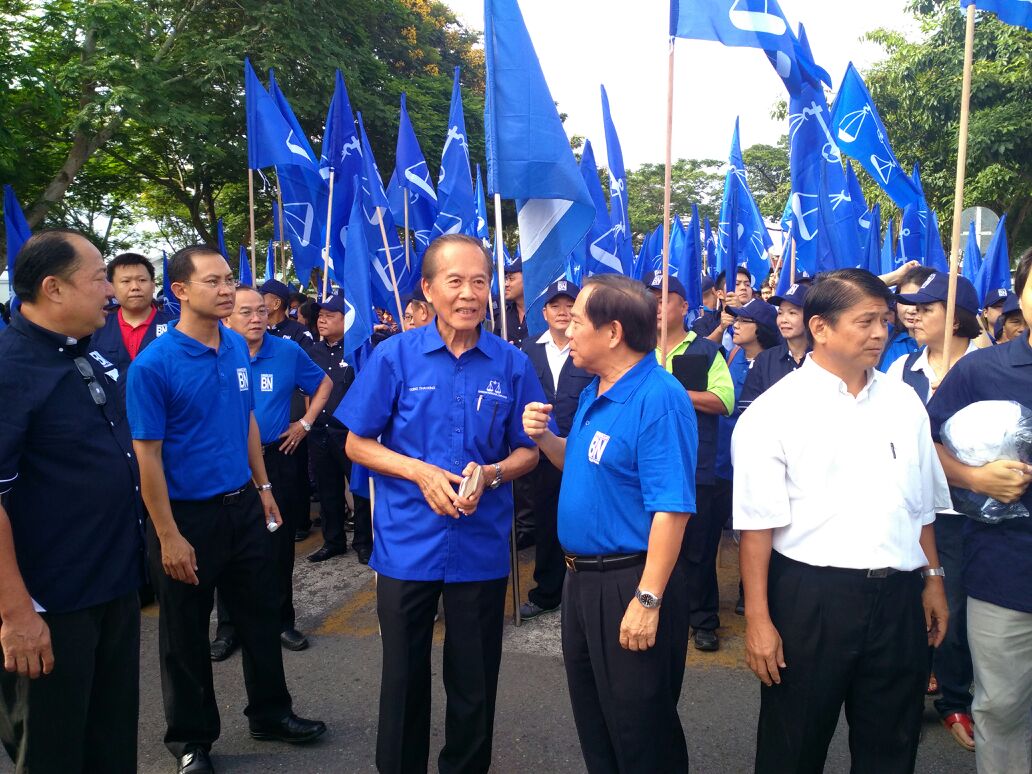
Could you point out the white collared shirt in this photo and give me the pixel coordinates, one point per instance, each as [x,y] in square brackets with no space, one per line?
[922,364]
[556,357]
[842,481]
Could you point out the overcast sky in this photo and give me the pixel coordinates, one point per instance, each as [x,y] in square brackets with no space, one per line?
[622,44]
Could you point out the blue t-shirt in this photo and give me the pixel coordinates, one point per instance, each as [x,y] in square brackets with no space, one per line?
[997,558]
[630,453]
[280,367]
[425,403]
[198,402]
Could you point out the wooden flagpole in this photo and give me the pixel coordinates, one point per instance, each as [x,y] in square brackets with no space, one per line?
[408,260]
[958,196]
[666,199]
[792,275]
[326,254]
[250,208]
[390,267]
[282,228]
[514,557]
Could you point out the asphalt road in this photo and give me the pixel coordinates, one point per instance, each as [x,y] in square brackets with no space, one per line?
[337,680]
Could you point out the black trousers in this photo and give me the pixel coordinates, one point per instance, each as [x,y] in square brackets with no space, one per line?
[284,475]
[951,661]
[624,702]
[524,503]
[332,471]
[472,656]
[549,566]
[235,553]
[82,717]
[699,555]
[851,640]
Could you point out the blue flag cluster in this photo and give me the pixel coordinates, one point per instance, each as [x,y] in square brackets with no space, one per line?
[1016,12]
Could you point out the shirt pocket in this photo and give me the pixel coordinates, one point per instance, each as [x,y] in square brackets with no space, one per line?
[490,420]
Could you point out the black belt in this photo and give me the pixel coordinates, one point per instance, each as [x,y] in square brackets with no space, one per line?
[874,572]
[606,563]
[229,498]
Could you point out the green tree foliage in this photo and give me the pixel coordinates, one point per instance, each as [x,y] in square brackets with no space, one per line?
[917,90]
[767,169]
[693,181]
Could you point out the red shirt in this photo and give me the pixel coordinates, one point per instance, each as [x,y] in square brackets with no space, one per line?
[132,335]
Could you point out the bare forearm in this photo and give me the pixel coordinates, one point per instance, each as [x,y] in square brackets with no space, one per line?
[665,538]
[927,541]
[254,454]
[957,473]
[14,596]
[318,401]
[754,562]
[372,454]
[520,462]
[553,446]
[154,487]
[707,402]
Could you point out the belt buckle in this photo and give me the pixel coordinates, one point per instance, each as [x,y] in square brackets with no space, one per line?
[571,564]
[881,572]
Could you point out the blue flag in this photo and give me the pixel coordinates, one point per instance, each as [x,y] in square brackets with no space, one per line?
[678,248]
[692,276]
[785,271]
[888,258]
[298,139]
[600,245]
[618,213]
[1016,12]
[244,272]
[171,302]
[270,140]
[749,23]
[872,250]
[341,153]
[480,230]
[743,237]
[16,229]
[860,132]
[712,262]
[358,317]
[456,210]
[859,203]
[411,178]
[529,156]
[220,236]
[972,256]
[995,270]
[270,261]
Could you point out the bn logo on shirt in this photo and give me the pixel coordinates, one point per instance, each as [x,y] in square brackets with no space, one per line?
[242,378]
[598,445]
[266,385]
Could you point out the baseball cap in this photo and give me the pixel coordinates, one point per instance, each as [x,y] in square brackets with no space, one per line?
[332,304]
[707,283]
[1010,305]
[936,288]
[759,311]
[514,267]
[796,294]
[561,287]
[416,295]
[993,297]
[654,281]
[276,288]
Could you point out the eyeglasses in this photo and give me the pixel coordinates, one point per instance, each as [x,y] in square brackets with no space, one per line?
[215,284]
[247,313]
[408,318]
[86,371]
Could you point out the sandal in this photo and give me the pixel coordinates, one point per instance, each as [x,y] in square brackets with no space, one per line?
[961,728]
[933,686]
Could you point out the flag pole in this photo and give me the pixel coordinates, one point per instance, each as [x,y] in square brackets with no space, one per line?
[390,267]
[250,208]
[408,261]
[326,254]
[958,196]
[514,557]
[282,227]
[792,265]
[666,198]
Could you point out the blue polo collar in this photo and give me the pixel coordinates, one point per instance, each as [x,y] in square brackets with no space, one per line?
[265,351]
[193,347]
[432,340]
[628,383]
[1019,353]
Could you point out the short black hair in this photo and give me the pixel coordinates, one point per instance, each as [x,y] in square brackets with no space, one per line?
[744,270]
[129,259]
[916,276]
[720,281]
[1022,272]
[181,265]
[430,256]
[767,338]
[834,292]
[616,298]
[966,324]
[300,298]
[47,253]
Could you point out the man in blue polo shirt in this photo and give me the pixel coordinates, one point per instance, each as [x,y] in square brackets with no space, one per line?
[628,491]
[71,525]
[445,401]
[191,410]
[279,368]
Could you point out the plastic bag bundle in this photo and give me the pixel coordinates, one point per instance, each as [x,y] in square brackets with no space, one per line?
[984,432]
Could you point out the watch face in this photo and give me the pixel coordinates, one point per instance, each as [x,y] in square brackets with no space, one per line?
[647,599]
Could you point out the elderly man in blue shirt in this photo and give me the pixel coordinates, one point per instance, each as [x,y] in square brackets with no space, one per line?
[445,403]
[628,491]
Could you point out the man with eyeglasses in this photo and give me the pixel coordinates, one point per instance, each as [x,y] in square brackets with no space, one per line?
[191,409]
[418,311]
[71,525]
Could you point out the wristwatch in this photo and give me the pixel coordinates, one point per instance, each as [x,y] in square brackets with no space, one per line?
[497,482]
[305,425]
[648,599]
[933,571]
[265,487]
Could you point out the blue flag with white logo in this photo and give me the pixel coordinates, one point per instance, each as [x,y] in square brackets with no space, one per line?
[785,272]
[872,250]
[171,302]
[341,152]
[749,23]
[710,245]
[972,256]
[600,245]
[860,133]
[859,203]
[1016,12]
[270,140]
[456,210]
[244,278]
[270,261]
[529,156]
[480,199]
[358,316]
[995,270]
[298,140]
[16,230]
[618,213]
[678,248]
[692,276]
[743,237]
[411,178]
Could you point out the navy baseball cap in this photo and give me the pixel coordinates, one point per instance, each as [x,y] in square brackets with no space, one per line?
[1010,305]
[707,283]
[332,304]
[561,287]
[796,294]
[654,281]
[514,267]
[759,311]
[994,297]
[416,295]
[936,288]
[276,288]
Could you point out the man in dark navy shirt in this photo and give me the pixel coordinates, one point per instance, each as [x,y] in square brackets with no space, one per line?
[277,301]
[71,525]
[515,307]
[191,410]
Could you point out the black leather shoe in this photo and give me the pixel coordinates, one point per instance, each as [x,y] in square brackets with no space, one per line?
[292,639]
[706,640]
[291,729]
[222,648]
[194,761]
[327,552]
[300,535]
[363,555]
